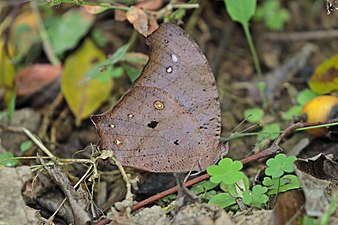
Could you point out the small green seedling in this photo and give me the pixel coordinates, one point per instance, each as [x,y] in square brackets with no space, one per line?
[204,189]
[242,11]
[272,14]
[26,145]
[7,159]
[276,168]
[235,184]
[257,197]
[254,115]
[270,131]
[231,179]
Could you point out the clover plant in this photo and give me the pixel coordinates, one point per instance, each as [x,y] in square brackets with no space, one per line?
[234,184]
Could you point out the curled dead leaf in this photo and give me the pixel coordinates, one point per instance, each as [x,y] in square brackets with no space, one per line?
[138,18]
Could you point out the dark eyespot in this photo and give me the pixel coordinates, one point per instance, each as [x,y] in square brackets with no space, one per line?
[152,124]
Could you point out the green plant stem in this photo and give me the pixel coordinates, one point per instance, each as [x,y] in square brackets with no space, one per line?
[317,126]
[44,36]
[253,51]
[104,5]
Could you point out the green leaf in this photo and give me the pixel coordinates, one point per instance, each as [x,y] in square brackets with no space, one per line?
[227,171]
[115,72]
[237,189]
[241,10]
[309,220]
[305,96]
[99,37]
[280,164]
[270,131]
[26,145]
[271,13]
[6,159]
[202,187]
[7,74]
[292,112]
[253,115]
[208,195]
[223,200]
[289,182]
[133,72]
[330,211]
[83,98]
[69,30]
[256,197]
[137,58]
[105,67]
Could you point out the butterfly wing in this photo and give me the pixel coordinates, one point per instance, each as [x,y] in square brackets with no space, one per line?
[169,120]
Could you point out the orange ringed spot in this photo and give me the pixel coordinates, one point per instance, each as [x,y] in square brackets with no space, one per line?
[158,105]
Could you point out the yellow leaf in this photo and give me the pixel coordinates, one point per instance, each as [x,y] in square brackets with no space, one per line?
[325,76]
[7,73]
[84,98]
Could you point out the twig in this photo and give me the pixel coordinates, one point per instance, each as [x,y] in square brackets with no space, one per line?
[39,144]
[129,195]
[302,35]
[45,121]
[168,8]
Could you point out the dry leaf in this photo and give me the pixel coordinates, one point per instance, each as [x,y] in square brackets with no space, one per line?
[32,78]
[149,4]
[152,24]
[325,77]
[138,18]
[93,9]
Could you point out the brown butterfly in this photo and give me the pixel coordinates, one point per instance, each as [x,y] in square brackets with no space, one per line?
[169,120]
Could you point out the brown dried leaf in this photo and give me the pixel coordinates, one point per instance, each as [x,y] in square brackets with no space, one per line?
[152,24]
[32,78]
[149,4]
[92,9]
[288,208]
[319,178]
[138,18]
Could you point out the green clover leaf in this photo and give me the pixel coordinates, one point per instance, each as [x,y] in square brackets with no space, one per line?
[223,200]
[256,197]
[227,171]
[202,187]
[289,182]
[280,164]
